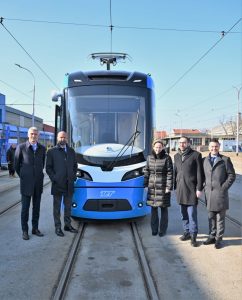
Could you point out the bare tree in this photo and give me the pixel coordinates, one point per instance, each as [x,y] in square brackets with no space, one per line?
[222,122]
[232,126]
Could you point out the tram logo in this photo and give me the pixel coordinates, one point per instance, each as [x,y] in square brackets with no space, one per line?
[106,194]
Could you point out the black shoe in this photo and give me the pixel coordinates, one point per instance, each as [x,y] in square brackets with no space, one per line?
[25,235]
[70,228]
[209,241]
[194,241]
[162,233]
[218,244]
[59,232]
[185,237]
[37,232]
[154,232]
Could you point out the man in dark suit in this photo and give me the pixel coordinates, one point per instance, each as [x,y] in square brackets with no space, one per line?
[188,183]
[61,166]
[219,176]
[29,165]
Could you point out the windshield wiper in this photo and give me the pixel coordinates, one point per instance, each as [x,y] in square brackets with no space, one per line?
[136,130]
[123,150]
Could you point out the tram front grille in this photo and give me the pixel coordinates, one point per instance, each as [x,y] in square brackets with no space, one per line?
[107,205]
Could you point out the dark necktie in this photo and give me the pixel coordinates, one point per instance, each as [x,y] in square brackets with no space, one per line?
[212,159]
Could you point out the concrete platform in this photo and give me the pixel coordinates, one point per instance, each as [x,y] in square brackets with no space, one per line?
[185,272]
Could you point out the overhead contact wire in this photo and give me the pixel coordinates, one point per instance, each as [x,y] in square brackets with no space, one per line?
[224,33]
[33,60]
[117,26]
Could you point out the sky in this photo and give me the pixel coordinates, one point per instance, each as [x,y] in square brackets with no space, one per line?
[196,68]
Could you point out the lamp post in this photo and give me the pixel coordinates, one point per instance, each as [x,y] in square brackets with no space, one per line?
[33,112]
[237,136]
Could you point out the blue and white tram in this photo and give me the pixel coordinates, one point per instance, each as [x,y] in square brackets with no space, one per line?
[108,116]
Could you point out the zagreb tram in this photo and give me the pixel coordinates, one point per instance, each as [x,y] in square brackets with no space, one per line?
[108,117]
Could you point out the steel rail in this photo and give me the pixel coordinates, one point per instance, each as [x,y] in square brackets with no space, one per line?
[7,209]
[228,217]
[149,282]
[65,273]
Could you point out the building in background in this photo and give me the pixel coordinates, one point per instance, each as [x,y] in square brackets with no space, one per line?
[200,140]
[14,125]
[160,134]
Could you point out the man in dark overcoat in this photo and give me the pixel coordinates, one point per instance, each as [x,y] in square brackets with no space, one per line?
[219,176]
[188,183]
[10,159]
[61,166]
[29,165]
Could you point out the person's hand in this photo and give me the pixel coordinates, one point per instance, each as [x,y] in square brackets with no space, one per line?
[199,194]
[167,190]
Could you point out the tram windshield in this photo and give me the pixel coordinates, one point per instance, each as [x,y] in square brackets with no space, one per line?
[106,118]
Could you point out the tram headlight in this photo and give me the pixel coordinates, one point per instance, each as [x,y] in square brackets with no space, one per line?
[133,174]
[83,175]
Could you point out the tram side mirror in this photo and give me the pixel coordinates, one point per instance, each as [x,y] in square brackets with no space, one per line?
[57,96]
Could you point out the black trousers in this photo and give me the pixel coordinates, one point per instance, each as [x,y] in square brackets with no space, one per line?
[57,199]
[11,169]
[161,224]
[35,211]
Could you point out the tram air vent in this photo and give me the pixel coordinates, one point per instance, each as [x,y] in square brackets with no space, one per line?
[108,77]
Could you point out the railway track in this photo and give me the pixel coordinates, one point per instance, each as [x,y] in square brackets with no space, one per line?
[145,272]
[65,275]
[228,217]
[148,279]
[15,203]
[7,209]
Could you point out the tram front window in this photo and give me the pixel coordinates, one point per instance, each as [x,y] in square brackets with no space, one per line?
[101,119]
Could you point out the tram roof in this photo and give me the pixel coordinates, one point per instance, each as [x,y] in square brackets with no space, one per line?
[108,77]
